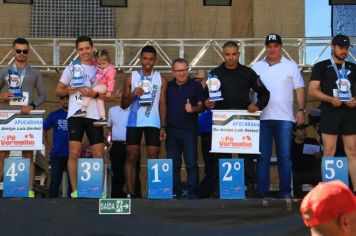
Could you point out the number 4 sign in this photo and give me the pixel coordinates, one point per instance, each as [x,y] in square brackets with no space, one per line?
[335,168]
[160,181]
[16,177]
[90,177]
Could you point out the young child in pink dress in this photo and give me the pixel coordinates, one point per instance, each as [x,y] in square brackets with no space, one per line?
[104,83]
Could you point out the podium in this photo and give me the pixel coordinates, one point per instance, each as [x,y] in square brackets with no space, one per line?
[19,132]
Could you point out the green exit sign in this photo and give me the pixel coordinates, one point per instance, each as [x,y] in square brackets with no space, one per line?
[115,206]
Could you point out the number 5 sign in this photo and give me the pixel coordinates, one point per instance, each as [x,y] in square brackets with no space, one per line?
[90,177]
[335,168]
[160,182]
[232,182]
[16,177]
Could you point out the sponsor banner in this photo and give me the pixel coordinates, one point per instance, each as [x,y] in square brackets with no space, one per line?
[235,131]
[20,132]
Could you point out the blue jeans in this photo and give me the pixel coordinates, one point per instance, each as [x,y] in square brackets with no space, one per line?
[183,142]
[281,132]
[58,166]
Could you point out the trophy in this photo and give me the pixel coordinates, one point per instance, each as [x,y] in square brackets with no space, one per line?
[146,84]
[14,84]
[344,90]
[77,72]
[343,84]
[214,85]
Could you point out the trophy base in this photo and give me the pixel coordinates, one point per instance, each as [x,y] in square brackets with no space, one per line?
[216,99]
[145,104]
[77,86]
[16,96]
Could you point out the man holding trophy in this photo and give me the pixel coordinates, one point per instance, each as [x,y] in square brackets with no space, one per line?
[77,81]
[333,82]
[20,81]
[229,87]
[145,94]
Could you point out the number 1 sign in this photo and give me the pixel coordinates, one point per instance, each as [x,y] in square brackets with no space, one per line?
[160,182]
[16,177]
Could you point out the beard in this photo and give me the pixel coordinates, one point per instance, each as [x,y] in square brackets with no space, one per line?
[340,56]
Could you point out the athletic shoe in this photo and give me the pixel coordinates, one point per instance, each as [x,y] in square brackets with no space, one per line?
[103,195]
[79,113]
[31,194]
[100,122]
[74,194]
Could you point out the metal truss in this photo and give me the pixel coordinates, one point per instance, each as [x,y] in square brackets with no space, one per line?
[56,53]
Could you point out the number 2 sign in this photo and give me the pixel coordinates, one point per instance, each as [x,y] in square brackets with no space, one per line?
[232,183]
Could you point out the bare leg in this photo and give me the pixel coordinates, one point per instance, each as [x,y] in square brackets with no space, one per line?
[329,143]
[350,150]
[3,155]
[152,151]
[130,167]
[29,154]
[98,152]
[74,152]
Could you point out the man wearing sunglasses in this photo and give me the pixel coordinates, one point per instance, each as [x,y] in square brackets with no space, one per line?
[27,79]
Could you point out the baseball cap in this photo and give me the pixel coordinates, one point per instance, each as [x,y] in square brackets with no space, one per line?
[341,40]
[273,38]
[327,202]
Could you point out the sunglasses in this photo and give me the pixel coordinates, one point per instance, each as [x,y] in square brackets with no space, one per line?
[19,51]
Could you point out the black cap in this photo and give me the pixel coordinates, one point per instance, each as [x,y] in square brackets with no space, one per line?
[273,38]
[303,126]
[341,40]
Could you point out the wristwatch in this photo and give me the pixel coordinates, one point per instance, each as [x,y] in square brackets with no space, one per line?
[302,109]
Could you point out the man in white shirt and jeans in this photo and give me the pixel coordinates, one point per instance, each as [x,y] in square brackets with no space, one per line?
[281,77]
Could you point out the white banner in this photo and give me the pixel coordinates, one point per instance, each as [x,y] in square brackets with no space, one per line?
[235,131]
[21,132]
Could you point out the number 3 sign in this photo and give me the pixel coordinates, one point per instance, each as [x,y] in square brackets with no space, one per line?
[90,177]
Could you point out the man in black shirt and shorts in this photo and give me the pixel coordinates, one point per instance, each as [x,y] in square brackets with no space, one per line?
[333,82]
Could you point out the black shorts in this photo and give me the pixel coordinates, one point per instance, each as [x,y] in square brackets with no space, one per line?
[134,136]
[77,126]
[337,122]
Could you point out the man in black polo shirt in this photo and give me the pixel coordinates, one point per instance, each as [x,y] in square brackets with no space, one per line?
[333,82]
[184,102]
[236,83]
